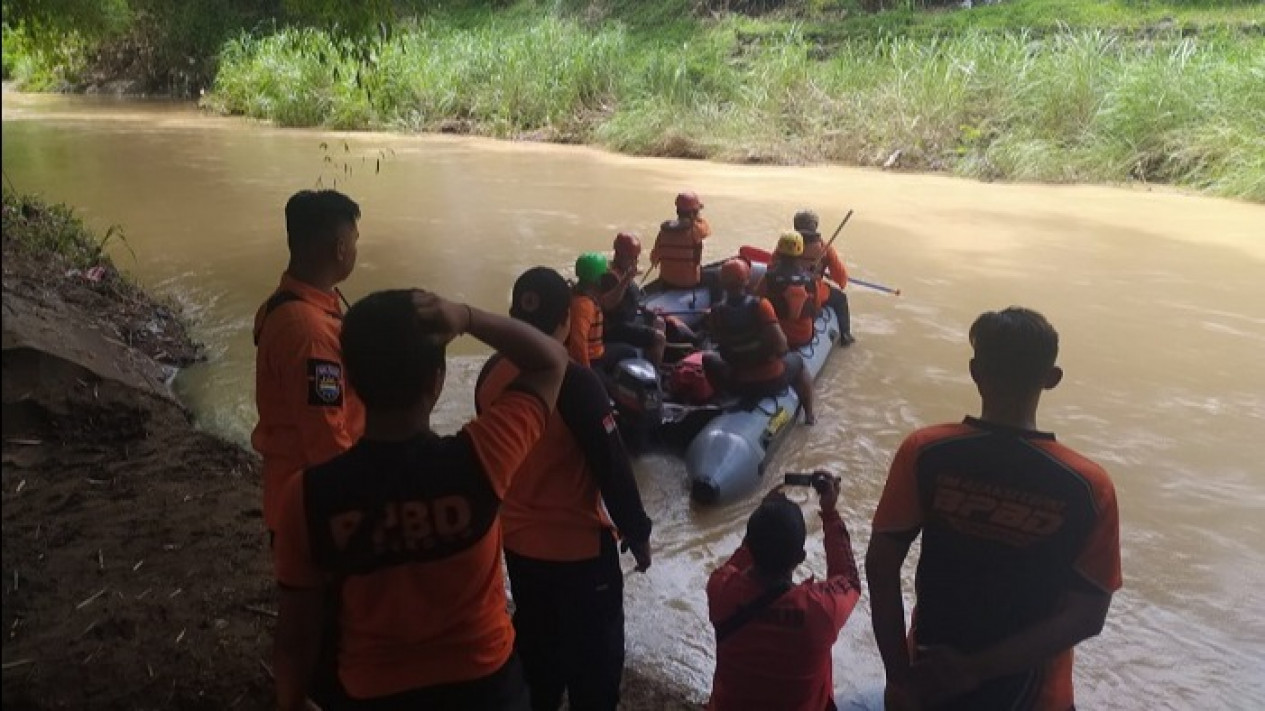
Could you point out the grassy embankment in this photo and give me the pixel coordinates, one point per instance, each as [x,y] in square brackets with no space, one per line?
[1048,90]
[37,228]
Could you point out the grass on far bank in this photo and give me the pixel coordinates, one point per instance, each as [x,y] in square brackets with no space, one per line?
[1064,107]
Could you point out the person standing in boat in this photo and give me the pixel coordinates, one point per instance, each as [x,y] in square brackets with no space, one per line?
[752,358]
[567,508]
[678,249]
[1020,541]
[773,637]
[792,290]
[625,320]
[586,342]
[824,260]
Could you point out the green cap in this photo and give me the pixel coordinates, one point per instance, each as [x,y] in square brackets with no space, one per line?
[590,267]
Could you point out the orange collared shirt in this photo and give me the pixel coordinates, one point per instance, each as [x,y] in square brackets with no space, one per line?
[307,412]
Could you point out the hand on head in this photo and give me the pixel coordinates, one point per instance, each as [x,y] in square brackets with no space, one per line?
[448,319]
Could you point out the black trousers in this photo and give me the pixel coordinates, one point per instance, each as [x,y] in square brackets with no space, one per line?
[502,690]
[839,302]
[569,622]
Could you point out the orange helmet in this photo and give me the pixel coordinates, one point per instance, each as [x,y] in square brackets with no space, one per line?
[735,273]
[688,202]
[627,245]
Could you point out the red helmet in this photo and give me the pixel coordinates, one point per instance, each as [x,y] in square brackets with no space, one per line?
[688,202]
[735,273]
[627,246]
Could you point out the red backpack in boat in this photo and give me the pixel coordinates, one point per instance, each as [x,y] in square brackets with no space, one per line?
[688,383]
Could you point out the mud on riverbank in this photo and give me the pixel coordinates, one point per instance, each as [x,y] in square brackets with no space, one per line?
[134,566]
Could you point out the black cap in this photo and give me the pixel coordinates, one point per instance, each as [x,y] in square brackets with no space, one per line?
[775,535]
[541,298]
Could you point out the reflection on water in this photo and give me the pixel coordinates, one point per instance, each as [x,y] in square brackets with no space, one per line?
[1159,297]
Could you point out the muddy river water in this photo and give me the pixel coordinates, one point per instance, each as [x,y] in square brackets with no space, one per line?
[1159,298]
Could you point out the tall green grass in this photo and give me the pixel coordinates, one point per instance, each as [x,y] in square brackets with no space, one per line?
[1076,106]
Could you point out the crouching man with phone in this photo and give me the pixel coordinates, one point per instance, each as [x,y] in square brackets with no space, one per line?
[773,637]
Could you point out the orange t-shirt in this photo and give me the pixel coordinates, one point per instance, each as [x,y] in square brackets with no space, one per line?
[585,344]
[1028,519]
[556,507]
[833,268]
[408,534]
[307,411]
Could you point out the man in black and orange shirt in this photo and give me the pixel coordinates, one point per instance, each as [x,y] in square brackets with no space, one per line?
[1020,542]
[400,533]
[307,414]
[560,544]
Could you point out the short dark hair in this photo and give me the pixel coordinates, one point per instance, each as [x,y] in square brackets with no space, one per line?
[392,359]
[1016,346]
[775,535]
[314,216]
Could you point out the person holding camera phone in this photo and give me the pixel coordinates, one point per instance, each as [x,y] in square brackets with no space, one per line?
[774,637]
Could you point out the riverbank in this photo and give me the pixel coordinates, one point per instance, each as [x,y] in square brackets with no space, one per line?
[134,568]
[1029,90]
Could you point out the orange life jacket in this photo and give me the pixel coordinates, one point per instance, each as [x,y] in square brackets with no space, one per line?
[585,342]
[793,292]
[679,252]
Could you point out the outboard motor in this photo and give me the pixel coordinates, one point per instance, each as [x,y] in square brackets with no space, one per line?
[638,399]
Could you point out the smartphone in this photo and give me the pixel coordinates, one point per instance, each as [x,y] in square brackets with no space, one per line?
[798,479]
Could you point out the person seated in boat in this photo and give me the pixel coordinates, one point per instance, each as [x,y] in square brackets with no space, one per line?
[792,290]
[586,344]
[625,319]
[752,359]
[825,261]
[774,637]
[678,250]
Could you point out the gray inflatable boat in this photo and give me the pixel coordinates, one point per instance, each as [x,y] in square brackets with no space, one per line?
[728,455]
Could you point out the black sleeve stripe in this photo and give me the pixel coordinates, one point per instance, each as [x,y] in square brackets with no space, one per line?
[483,375]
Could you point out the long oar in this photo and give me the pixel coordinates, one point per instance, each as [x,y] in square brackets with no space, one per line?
[824,252]
[762,256]
[646,276]
[876,287]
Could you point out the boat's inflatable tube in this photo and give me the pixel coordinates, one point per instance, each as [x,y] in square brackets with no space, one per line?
[727,458]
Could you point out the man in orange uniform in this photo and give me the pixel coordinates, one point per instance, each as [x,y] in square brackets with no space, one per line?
[678,250]
[400,534]
[773,638]
[825,259]
[307,414]
[792,290]
[560,545]
[752,360]
[587,340]
[1020,541]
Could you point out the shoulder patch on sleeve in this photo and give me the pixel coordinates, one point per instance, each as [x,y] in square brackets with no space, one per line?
[324,383]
